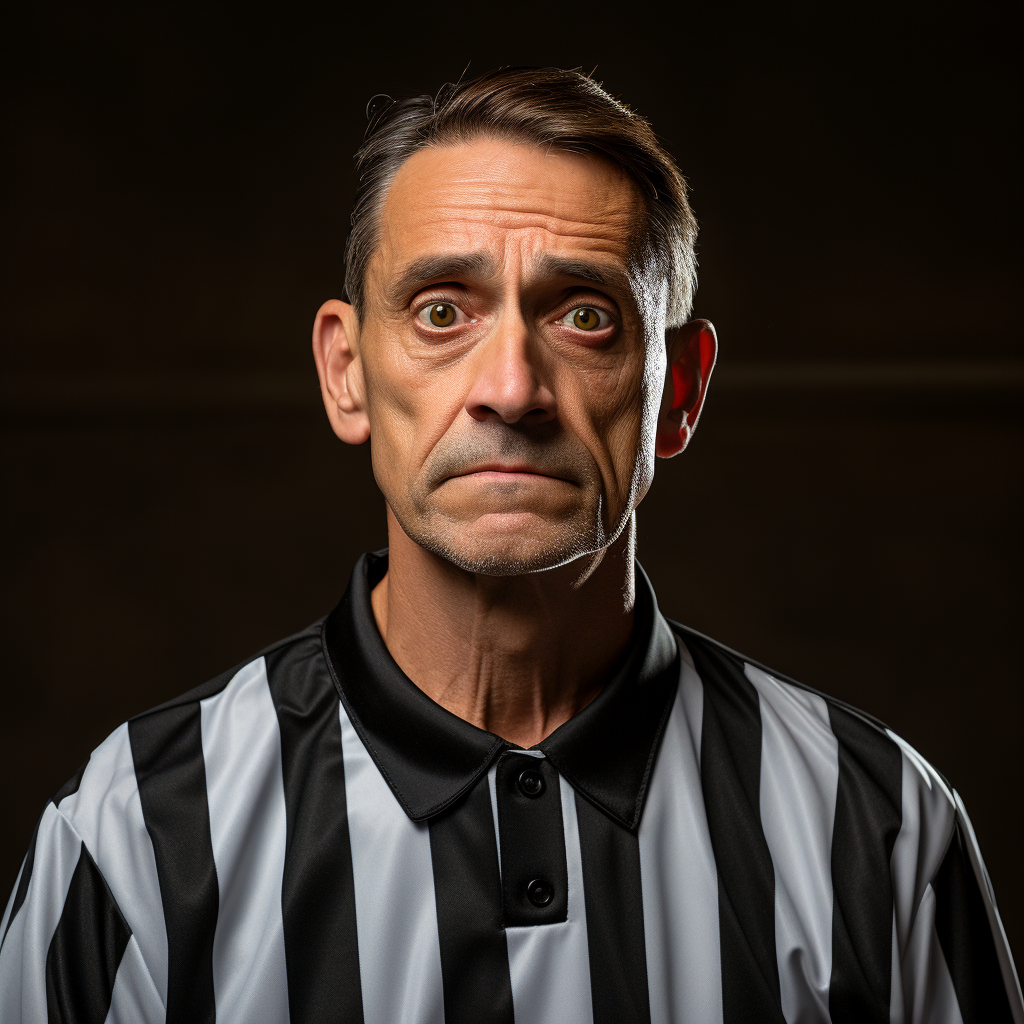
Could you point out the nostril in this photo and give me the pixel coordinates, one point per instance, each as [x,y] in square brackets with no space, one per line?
[533,416]
[539,415]
[484,413]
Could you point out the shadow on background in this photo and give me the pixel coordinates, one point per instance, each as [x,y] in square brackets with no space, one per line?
[849,512]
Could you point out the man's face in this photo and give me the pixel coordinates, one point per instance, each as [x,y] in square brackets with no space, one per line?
[512,355]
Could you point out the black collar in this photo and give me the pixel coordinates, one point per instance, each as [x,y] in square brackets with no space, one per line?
[431,757]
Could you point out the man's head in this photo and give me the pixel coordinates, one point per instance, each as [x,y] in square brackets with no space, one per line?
[520,270]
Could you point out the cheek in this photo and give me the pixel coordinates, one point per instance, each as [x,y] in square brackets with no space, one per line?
[410,408]
[620,422]
[631,448]
[649,393]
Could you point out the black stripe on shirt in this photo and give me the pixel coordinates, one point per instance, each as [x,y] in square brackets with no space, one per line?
[869,812]
[317,891]
[615,918]
[85,950]
[730,772]
[965,935]
[26,877]
[467,889]
[167,749]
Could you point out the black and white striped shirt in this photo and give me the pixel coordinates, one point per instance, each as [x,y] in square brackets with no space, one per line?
[310,838]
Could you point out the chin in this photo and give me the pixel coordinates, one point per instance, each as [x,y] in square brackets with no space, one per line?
[509,547]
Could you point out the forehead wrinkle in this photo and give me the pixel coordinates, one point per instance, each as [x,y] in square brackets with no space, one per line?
[448,258]
[534,198]
[456,223]
[460,209]
[498,192]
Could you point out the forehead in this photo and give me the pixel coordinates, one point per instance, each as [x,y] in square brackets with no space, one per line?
[514,200]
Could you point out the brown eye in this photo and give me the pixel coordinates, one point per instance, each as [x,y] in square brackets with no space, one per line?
[586,318]
[442,314]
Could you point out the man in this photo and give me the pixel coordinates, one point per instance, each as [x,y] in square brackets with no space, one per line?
[494,783]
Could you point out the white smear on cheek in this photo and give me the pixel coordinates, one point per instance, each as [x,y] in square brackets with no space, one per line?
[653,291]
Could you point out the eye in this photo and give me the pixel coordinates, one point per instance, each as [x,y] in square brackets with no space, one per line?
[440,314]
[586,318]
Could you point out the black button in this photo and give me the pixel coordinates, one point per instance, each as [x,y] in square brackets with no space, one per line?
[540,892]
[531,782]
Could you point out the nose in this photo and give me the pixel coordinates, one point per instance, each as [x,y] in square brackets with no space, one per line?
[510,383]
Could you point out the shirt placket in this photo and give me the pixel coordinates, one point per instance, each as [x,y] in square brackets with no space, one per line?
[531,841]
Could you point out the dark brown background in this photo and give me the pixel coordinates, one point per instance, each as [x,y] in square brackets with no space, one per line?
[850,511]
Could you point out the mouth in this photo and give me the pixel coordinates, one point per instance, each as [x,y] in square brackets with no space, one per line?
[508,471]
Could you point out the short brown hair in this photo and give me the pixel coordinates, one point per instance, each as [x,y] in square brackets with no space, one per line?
[547,107]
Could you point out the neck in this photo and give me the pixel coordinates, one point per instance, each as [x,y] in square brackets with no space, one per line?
[515,655]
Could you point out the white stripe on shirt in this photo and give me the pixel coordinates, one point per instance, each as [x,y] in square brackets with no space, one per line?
[23,958]
[245,791]
[799,782]
[134,999]
[678,873]
[396,918]
[107,813]
[929,988]
[916,856]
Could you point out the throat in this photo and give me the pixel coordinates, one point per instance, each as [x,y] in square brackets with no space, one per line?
[514,700]
[515,656]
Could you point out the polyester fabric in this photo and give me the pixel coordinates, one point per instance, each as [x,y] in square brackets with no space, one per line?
[309,838]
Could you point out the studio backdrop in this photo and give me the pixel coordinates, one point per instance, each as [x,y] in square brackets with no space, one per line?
[850,509]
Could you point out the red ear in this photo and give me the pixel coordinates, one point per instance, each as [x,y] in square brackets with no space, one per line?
[708,354]
[707,342]
[692,353]
[690,374]
[685,386]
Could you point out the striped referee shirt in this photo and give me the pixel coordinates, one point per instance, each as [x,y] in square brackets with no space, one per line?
[310,838]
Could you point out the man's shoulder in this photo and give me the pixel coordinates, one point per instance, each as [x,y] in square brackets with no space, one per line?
[849,749]
[726,667]
[157,743]
[302,644]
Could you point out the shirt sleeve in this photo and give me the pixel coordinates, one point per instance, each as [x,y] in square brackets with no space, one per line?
[957,966]
[67,951]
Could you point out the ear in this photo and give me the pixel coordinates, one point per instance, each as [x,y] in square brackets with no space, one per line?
[335,332]
[692,350]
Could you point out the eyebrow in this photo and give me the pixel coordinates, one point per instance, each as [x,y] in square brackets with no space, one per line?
[445,266]
[600,274]
[454,266]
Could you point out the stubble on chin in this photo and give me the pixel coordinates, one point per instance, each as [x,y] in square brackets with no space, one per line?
[503,556]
